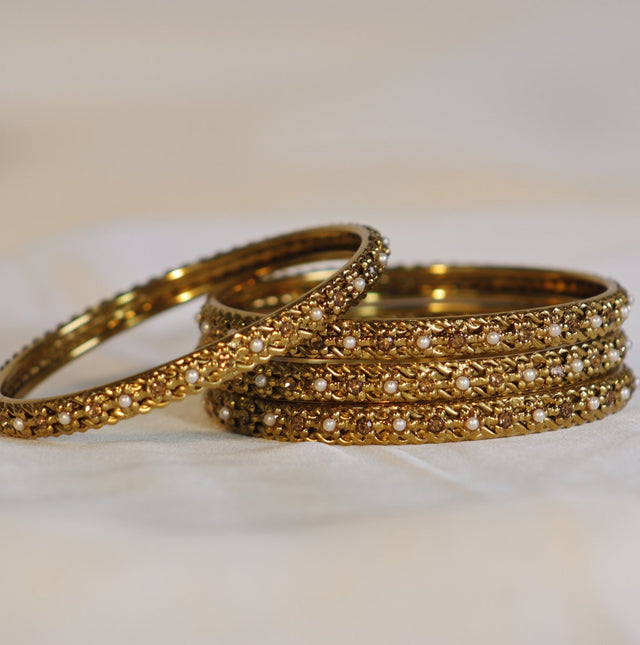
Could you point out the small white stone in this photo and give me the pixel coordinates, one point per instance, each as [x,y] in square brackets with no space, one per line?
[625,393]
[386,241]
[492,337]
[18,425]
[125,401]
[577,366]
[205,327]
[554,330]
[64,418]
[539,415]
[556,371]
[256,345]
[320,384]
[613,355]
[260,380]
[349,342]
[595,321]
[359,284]
[316,314]
[383,258]
[269,419]
[529,374]
[593,403]
[390,386]
[192,376]
[329,424]
[224,413]
[472,423]
[399,425]
[423,342]
[625,310]
[463,383]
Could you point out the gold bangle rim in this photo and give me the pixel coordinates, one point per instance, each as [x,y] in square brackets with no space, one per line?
[210,365]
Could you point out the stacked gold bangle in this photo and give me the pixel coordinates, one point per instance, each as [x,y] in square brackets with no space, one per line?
[438,353]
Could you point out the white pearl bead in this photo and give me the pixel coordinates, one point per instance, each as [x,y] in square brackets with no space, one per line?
[329,424]
[593,403]
[595,321]
[256,345]
[205,327]
[269,419]
[386,241]
[463,383]
[349,342]
[529,374]
[64,418]
[613,355]
[493,338]
[399,425]
[316,314]
[423,342]
[554,330]
[125,401]
[539,415]
[192,376]
[472,423]
[390,386]
[224,413]
[320,384]
[18,424]
[625,393]
[625,310]
[577,366]
[260,380]
[383,258]
[359,284]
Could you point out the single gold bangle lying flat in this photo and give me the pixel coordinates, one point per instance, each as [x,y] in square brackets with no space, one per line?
[553,309]
[356,382]
[266,337]
[414,423]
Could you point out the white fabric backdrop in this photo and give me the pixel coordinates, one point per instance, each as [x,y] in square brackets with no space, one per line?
[486,130]
[165,529]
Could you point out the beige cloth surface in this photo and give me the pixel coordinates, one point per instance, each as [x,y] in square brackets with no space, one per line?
[166,529]
[136,136]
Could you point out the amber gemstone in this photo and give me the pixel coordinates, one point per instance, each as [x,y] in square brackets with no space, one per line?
[505,419]
[565,410]
[496,380]
[436,425]
[457,340]
[385,343]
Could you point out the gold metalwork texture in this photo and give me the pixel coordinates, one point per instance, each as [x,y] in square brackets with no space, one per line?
[271,335]
[574,302]
[356,382]
[422,422]
[433,354]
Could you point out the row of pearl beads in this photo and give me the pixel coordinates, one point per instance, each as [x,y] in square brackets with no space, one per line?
[463,383]
[472,423]
[492,338]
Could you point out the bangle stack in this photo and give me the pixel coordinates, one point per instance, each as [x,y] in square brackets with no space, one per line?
[534,350]
[361,354]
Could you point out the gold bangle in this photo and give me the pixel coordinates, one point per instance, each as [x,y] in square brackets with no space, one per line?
[557,308]
[393,381]
[414,423]
[271,335]
[429,372]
